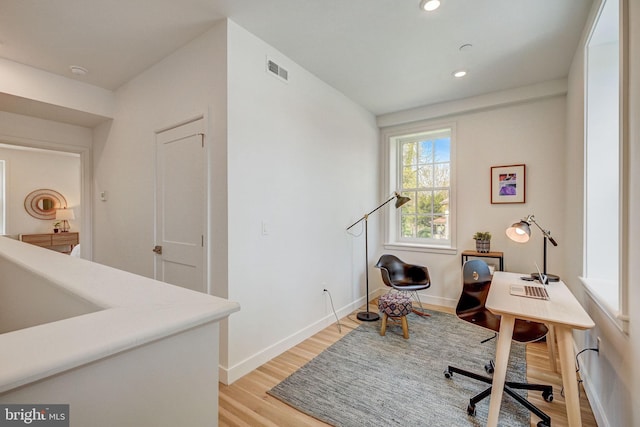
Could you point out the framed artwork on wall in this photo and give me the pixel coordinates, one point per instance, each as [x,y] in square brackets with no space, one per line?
[508,184]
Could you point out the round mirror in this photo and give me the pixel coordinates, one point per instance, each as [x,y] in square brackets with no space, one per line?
[46,204]
[42,204]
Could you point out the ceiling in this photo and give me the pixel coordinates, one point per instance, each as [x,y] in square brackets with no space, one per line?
[386,55]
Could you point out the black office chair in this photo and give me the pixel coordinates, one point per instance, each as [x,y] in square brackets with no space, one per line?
[471,308]
[404,277]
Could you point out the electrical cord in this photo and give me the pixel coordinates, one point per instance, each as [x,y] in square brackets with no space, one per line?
[580,381]
[334,311]
[356,235]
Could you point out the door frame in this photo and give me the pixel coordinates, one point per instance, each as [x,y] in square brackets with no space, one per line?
[86,180]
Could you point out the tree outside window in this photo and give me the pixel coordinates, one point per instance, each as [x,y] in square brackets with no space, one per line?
[425,169]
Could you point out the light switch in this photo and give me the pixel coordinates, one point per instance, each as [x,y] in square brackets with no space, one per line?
[265,228]
[103,196]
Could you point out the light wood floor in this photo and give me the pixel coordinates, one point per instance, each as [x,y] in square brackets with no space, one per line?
[246,403]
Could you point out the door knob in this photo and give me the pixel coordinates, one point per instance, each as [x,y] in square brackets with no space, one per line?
[157,249]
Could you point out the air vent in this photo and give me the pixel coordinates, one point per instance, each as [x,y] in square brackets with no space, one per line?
[277,70]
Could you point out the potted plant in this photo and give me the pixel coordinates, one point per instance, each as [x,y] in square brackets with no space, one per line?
[483,241]
[56,226]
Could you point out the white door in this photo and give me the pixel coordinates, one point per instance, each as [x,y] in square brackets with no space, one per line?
[180,206]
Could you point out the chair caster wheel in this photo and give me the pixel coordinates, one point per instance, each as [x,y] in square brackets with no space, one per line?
[547,396]
[489,367]
[448,373]
[471,410]
[542,424]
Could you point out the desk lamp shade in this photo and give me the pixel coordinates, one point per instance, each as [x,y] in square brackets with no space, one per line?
[519,232]
[65,215]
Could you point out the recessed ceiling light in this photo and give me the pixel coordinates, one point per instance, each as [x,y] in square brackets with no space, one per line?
[460,73]
[78,70]
[429,5]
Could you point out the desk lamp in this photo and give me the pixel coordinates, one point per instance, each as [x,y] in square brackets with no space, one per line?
[368,316]
[65,215]
[521,231]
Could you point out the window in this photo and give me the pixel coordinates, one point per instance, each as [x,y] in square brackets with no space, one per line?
[603,142]
[420,167]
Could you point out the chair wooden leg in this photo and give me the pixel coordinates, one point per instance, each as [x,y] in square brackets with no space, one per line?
[405,327]
[421,312]
[383,326]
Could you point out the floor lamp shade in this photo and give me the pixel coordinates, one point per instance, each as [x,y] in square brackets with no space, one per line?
[367,315]
[401,200]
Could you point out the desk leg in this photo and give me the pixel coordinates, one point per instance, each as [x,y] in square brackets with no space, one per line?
[503,347]
[569,381]
[552,348]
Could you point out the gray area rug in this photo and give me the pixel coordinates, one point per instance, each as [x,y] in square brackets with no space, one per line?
[366,379]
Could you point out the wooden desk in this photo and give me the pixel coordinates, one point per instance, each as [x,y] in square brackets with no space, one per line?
[52,240]
[562,311]
[499,255]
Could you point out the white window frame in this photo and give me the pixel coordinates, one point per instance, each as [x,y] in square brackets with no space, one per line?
[607,287]
[389,138]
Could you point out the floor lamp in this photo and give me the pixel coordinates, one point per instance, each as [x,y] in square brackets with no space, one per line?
[368,316]
[521,231]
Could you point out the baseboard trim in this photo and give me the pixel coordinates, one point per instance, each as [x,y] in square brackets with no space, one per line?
[232,374]
[596,405]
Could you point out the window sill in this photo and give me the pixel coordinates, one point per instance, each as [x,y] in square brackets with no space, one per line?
[616,317]
[412,247]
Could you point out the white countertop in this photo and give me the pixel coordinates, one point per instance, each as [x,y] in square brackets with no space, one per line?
[132,311]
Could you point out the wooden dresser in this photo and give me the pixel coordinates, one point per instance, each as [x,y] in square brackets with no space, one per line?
[61,242]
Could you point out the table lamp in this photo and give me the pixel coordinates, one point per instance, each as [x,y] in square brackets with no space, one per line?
[65,215]
[368,316]
[521,231]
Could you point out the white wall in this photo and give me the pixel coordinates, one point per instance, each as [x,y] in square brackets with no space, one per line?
[299,156]
[612,378]
[184,85]
[528,132]
[632,272]
[189,83]
[52,90]
[303,161]
[27,300]
[33,132]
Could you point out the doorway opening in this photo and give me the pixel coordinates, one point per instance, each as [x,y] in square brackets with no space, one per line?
[29,166]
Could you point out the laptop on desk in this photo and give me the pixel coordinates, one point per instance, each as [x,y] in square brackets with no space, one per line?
[529,291]
[532,291]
